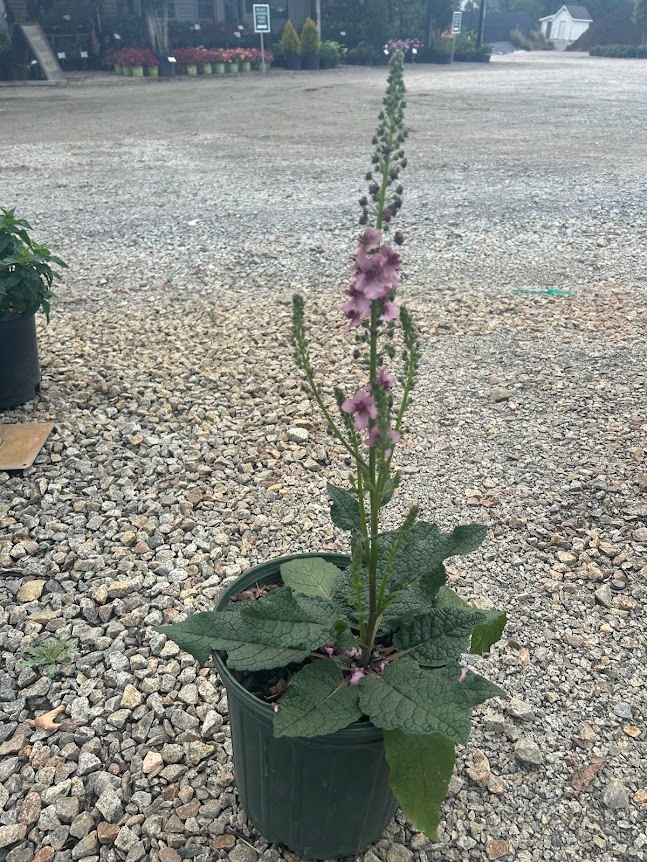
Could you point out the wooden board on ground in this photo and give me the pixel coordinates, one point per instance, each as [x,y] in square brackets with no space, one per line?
[47,60]
[20,443]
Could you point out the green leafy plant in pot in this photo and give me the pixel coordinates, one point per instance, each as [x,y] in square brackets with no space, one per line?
[290,46]
[310,44]
[26,279]
[360,657]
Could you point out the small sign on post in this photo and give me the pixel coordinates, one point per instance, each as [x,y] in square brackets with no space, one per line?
[262,25]
[457,22]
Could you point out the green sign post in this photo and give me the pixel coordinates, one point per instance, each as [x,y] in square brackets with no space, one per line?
[262,25]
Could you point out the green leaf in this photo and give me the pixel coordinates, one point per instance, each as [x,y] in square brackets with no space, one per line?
[278,619]
[420,769]
[416,599]
[425,547]
[311,576]
[345,508]
[227,631]
[318,701]
[437,637]
[421,700]
[485,633]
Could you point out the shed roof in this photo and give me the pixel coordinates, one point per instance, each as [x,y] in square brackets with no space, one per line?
[578,13]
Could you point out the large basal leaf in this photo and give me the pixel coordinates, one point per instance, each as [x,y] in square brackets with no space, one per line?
[227,631]
[280,620]
[437,637]
[345,508]
[423,700]
[486,632]
[318,701]
[420,769]
[311,576]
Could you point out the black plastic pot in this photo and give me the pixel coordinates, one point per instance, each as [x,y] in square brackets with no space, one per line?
[293,61]
[311,61]
[322,797]
[19,368]
[166,68]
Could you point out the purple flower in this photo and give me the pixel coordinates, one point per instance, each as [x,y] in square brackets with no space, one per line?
[362,406]
[351,653]
[385,379]
[372,437]
[369,240]
[356,676]
[463,675]
[391,311]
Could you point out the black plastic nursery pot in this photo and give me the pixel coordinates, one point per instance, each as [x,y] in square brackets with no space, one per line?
[19,367]
[311,62]
[323,797]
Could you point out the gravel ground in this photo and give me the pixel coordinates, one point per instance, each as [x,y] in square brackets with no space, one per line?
[190,211]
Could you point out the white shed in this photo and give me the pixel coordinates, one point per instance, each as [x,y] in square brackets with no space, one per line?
[566,26]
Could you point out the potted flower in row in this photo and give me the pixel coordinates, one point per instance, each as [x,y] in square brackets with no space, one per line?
[346,680]
[26,279]
[188,60]
[131,62]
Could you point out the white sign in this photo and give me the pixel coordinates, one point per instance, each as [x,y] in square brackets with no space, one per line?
[457,20]
[61,55]
[171,59]
[262,18]
[84,55]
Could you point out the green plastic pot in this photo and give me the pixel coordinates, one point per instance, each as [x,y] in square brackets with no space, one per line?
[220,68]
[245,66]
[192,69]
[153,71]
[322,797]
[137,71]
[232,68]
[206,69]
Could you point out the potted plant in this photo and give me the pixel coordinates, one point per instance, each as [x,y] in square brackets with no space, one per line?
[330,54]
[291,47]
[344,673]
[26,278]
[310,44]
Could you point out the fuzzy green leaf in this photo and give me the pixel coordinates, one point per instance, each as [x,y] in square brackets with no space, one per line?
[437,637]
[227,631]
[318,701]
[425,547]
[485,633]
[310,576]
[420,768]
[280,620]
[423,700]
[345,508]
[416,599]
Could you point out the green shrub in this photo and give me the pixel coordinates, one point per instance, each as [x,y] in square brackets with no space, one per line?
[365,55]
[619,51]
[26,274]
[310,42]
[375,23]
[330,54]
[536,41]
[290,42]
[5,42]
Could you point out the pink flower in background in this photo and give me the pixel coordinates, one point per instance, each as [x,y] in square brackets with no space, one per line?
[385,379]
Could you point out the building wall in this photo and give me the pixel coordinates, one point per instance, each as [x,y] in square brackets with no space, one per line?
[562,30]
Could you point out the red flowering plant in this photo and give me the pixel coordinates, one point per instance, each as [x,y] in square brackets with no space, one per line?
[383,638]
[135,57]
[188,56]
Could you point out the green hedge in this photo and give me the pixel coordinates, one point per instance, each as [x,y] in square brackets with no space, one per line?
[622,51]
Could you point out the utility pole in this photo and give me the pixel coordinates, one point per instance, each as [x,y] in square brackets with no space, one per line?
[479,37]
[318,8]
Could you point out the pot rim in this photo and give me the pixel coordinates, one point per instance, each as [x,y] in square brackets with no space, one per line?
[262,572]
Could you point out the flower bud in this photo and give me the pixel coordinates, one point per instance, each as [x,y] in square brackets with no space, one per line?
[387,215]
[386,150]
[369,175]
[375,158]
[399,237]
[356,354]
[363,219]
[374,188]
[363,201]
